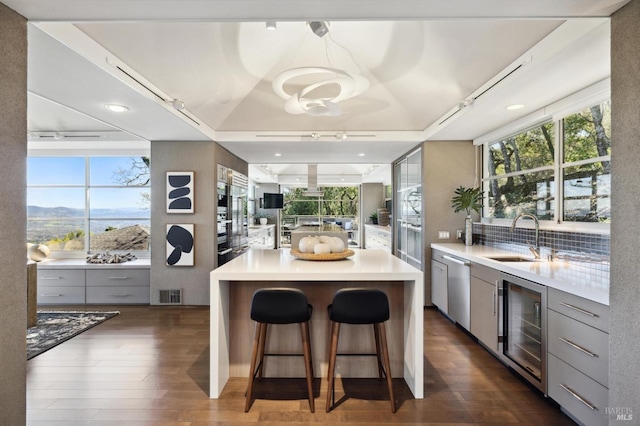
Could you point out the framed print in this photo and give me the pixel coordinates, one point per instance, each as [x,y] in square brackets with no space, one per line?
[180,192]
[180,250]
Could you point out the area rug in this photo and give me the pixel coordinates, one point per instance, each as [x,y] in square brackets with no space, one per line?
[56,327]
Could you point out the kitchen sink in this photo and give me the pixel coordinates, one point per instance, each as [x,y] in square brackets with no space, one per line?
[512,258]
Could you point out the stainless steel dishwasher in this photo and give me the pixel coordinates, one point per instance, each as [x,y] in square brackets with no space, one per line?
[458,289]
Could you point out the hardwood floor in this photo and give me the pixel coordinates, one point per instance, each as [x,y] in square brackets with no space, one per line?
[150,366]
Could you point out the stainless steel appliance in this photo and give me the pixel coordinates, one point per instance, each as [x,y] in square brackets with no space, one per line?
[524,327]
[232,235]
[458,289]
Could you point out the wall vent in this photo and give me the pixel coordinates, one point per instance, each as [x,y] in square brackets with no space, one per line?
[171,297]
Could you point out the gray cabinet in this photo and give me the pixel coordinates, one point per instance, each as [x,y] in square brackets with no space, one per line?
[439,290]
[578,346]
[485,309]
[88,284]
[60,286]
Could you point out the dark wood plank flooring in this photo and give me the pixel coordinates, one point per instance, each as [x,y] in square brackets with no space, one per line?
[150,366]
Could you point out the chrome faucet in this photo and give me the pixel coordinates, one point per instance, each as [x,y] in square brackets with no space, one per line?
[534,249]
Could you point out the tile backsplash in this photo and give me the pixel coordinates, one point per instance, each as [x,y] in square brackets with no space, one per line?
[589,251]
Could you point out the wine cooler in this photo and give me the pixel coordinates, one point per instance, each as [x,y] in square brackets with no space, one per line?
[524,329]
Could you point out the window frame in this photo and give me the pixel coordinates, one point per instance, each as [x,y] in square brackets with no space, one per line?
[86,186]
[558,168]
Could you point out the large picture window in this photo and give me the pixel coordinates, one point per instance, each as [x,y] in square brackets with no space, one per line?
[89,204]
[557,170]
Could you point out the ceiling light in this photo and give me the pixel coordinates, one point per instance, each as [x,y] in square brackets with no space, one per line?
[116,108]
[277,154]
[349,85]
[271,25]
[341,135]
[515,107]
[361,154]
[319,28]
[177,104]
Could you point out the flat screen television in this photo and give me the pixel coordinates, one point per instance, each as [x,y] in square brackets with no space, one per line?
[272,201]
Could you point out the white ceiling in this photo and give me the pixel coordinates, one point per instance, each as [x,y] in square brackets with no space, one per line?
[423,60]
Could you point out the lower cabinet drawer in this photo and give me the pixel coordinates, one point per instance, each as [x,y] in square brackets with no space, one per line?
[579,345]
[60,277]
[61,295]
[582,397]
[117,277]
[122,295]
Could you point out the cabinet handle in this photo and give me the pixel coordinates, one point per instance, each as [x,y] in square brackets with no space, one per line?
[454,260]
[575,308]
[119,278]
[50,278]
[120,295]
[52,295]
[493,296]
[578,397]
[578,347]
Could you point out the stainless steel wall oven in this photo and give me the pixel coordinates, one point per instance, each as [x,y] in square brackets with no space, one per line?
[524,325]
[232,232]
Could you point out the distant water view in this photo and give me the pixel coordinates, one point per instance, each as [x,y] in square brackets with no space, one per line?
[49,223]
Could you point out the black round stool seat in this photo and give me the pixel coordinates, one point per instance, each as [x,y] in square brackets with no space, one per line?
[359,306]
[280,306]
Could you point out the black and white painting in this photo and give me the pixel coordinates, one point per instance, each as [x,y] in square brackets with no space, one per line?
[179,192]
[180,244]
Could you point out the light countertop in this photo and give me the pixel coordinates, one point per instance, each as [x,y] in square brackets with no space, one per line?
[267,265]
[559,274]
[82,263]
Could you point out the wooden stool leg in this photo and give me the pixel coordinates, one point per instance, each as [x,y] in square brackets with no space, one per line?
[335,331]
[376,335]
[263,340]
[254,356]
[306,348]
[387,364]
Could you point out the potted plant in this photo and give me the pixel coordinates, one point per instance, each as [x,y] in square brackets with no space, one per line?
[374,218]
[262,217]
[467,199]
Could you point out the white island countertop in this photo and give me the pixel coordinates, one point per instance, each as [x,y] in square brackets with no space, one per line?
[559,274]
[279,266]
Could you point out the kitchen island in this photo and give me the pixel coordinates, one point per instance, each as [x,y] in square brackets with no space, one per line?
[233,284]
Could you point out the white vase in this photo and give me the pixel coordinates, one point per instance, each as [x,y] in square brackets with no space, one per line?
[263,221]
[468,231]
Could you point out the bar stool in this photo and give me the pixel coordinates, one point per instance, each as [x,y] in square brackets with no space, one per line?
[279,306]
[360,306]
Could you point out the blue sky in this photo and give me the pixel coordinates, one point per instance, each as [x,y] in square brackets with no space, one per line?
[71,171]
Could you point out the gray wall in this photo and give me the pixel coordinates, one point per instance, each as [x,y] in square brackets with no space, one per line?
[624,338]
[372,199]
[202,159]
[446,165]
[13,154]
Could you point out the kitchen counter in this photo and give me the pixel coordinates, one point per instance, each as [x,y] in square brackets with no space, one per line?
[81,263]
[559,274]
[233,284]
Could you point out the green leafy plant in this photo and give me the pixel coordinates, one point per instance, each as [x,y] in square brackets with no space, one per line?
[467,199]
[262,214]
[374,217]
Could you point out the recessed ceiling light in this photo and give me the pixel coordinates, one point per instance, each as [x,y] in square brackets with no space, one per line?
[361,154]
[116,108]
[277,154]
[515,107]
[271,25]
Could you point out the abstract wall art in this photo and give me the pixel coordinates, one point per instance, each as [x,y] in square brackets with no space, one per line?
[180,192]
[180,250]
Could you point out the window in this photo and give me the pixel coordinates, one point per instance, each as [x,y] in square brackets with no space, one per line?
[556,170]
[89,204]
